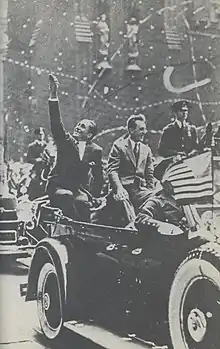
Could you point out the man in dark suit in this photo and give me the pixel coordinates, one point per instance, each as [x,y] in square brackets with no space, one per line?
[130,166]
[178,137]
[78,167]
[36,148]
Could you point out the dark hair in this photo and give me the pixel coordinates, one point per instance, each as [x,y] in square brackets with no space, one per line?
[93,129]
[38,130]
[131,122]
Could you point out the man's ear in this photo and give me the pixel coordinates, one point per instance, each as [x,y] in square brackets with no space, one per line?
[89,136]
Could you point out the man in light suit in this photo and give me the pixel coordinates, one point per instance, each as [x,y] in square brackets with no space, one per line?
[178,137]
[78,167]
[130,166]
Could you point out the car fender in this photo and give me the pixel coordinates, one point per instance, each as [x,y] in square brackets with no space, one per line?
[55,252]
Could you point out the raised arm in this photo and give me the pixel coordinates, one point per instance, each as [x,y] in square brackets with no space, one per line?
[56,123]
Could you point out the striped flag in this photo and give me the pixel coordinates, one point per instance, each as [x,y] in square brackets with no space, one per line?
[83,30]
[191,179]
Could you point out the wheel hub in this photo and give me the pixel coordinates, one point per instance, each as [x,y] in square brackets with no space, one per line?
[46,301]
[197,325]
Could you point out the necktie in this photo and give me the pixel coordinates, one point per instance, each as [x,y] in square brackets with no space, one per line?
[136,151]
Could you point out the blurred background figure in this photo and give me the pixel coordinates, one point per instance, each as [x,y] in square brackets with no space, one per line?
[19,177]
[217,141]
[206,140]
[49,157]
[36,156]
[36,148]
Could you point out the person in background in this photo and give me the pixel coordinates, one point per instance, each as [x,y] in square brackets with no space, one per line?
[217,141]
[178,137]
[36,148]
[49,156]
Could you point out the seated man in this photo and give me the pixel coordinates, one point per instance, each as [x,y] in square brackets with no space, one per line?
[130,165]
[78,167]
[162,207]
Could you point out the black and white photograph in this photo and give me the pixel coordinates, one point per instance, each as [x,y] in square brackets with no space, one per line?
[109,174]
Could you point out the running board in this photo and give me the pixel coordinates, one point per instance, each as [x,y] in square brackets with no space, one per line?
[109,340]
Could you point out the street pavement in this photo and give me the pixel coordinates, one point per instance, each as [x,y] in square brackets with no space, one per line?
[19,327]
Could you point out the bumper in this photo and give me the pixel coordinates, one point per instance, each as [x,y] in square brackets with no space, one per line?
[17,251]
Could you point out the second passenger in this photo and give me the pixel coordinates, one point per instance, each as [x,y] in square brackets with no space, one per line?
[130,165]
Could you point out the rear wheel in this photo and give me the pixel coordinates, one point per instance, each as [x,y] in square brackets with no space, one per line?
[49,301]
[194,304]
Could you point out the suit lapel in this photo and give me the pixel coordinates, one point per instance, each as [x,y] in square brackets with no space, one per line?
[130,153]
[86,152]
[142,154]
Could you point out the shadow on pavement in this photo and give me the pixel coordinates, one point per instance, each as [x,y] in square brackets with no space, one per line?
[67,339]
[11,266]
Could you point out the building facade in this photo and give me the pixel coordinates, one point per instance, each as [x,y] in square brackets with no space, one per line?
[113,58]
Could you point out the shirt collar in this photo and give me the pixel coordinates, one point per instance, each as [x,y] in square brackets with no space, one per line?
[81,147]
[179,123]
[133,143]
[39,142]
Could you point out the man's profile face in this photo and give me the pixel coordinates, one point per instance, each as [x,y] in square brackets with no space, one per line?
[81,131]
[182,114]
[137,134]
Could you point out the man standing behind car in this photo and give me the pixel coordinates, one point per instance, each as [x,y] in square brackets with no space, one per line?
[78,165]
[130,165]
[178,137]
[36,148]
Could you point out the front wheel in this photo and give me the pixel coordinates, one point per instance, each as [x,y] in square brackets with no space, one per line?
[49,301]
[194,303]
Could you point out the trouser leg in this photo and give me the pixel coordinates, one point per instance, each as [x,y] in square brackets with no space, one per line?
[64,199]
[82,205]
[138,195]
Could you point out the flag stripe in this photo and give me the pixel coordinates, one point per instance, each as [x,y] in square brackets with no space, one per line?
[180,171]
[184,196]
[185,176]
[192,189]
[175,167]
[177,170]
[194,182]
[191,179]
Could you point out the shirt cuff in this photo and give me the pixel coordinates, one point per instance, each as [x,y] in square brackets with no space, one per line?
[53,99]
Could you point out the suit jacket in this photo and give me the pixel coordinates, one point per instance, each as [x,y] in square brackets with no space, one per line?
[122,167]
[35,151]
[174,139]
[70,172]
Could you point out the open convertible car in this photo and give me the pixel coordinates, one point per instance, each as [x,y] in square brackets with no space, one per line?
[139,284]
